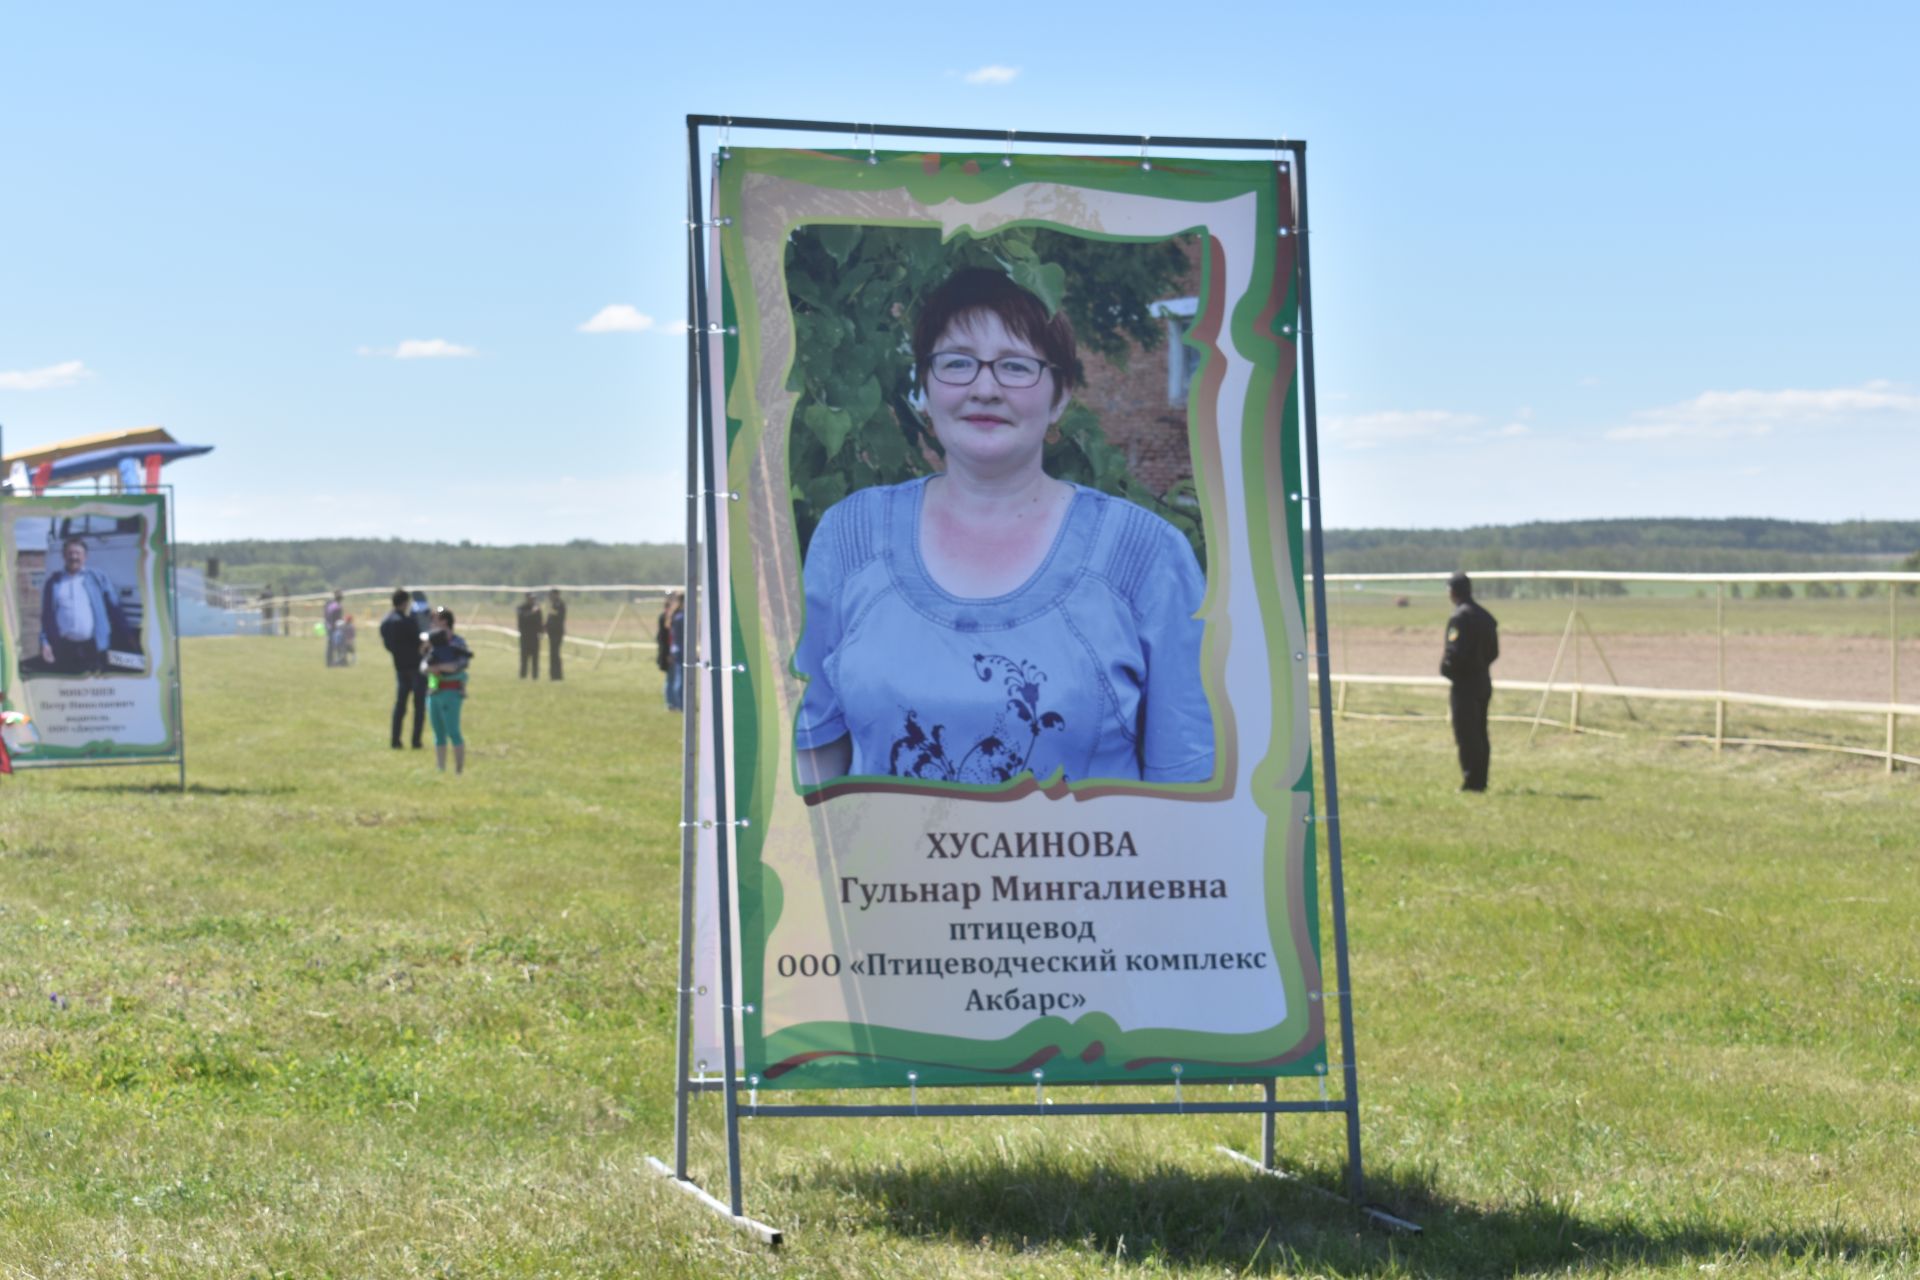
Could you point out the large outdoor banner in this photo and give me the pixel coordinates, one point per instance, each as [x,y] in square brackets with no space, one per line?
[1021,747]
[90,654]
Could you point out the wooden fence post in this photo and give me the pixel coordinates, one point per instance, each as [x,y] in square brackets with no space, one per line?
[1720,669]
[1893,672]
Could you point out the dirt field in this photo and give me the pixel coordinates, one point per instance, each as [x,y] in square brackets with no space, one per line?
[1846,667]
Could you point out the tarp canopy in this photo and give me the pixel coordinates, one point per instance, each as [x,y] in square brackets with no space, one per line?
[31,458]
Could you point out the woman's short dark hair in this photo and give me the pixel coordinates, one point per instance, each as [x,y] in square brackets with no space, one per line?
[976,289]
[443,615]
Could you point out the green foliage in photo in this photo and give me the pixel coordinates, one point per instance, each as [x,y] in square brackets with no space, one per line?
[854,291]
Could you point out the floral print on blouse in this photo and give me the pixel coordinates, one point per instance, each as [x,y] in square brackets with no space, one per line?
[1090,669]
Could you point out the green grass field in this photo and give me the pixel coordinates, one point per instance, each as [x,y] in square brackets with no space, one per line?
[1641,1011]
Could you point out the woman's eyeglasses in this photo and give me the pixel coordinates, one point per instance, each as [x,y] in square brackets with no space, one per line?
[957,369]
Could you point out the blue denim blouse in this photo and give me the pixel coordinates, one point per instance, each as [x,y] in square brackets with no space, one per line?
[1090,669]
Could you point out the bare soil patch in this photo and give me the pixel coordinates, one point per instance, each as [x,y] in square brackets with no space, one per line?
[1845,667]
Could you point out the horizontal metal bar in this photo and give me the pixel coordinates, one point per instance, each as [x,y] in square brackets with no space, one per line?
[1391,1221]
[90,762]
[824,1110]
[712,1084]
[1284,1175]
[769,1236]
[995,135]
[87,488]
[1373,1212]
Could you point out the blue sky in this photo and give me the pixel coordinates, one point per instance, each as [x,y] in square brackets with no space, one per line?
[1569,261]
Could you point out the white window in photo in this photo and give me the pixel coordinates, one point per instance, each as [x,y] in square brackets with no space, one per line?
[1183,361]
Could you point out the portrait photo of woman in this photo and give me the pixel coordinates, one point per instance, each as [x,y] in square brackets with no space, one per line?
[989,620]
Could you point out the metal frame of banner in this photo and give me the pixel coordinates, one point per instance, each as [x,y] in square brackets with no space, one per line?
[178,756]
[703,493]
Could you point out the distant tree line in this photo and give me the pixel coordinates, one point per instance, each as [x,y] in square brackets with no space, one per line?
[319,564]
[1647,546]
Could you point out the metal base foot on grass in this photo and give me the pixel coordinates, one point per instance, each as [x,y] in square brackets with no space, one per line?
[769,1236]
[1372,1212]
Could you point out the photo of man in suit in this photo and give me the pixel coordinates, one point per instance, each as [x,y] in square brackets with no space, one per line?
[78,614]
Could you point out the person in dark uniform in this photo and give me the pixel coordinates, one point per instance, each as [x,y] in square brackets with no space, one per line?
[400,633]
[1473,644]
[531,624]
[556,630]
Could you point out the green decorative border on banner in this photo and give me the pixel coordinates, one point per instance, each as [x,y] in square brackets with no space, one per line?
[1260,326]
[157,625]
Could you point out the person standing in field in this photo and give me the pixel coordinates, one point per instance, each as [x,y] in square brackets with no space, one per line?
[556,631]
[670,637]
[401,636]
[531,624]
[335,610]
[1473,645]
[444,657]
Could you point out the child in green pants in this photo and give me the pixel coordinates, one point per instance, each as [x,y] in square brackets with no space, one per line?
[445,657]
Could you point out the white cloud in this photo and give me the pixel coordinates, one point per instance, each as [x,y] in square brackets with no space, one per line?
[1394,426]
[431,349]
[1509,431]
[619,317]
[64,374]
[1725,415]
[992,73]
[420,349]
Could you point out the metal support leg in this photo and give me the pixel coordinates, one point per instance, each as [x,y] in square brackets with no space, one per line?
[722,811]
[1266,1126]
[769,1236]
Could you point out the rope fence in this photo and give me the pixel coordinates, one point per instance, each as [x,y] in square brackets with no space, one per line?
[604,619]
[1807,661]
[1813,669]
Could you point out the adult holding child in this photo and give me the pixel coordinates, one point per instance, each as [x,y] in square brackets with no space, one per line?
[331,616]
[992,620]
[445,657]
[670,641]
